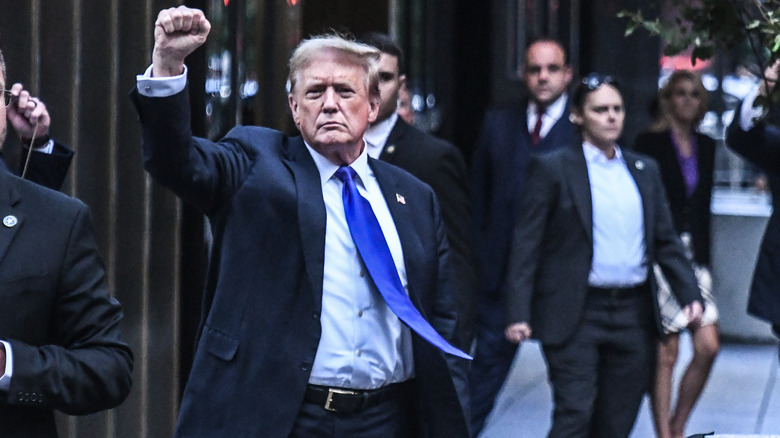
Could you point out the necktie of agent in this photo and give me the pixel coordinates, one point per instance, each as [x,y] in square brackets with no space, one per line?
[536,134]
[372,246]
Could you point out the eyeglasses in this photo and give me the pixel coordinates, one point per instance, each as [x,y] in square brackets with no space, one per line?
[595,80]
[8,97]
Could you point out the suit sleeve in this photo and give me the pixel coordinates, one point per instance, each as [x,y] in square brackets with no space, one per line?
[85,367]
[444,315]
[527,239]
[48,170]
[760,145]
[197,170]
[451,188]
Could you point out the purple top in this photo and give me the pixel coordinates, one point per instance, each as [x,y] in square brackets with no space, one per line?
[688,165]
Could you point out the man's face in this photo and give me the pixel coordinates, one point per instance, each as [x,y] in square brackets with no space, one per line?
[546,74]
[331,107]
[389,85]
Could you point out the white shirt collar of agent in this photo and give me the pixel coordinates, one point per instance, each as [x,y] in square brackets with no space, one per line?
[554,111]
[376,135]
[595,155]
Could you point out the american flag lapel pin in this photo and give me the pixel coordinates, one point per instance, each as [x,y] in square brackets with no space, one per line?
[400,198]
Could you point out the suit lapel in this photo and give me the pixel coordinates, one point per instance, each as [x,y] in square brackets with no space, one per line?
[637,168]
[395,197]
[576,175]
[10,216]
[311,212]
[389,152]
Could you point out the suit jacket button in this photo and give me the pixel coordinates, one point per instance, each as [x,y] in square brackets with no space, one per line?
[305,366]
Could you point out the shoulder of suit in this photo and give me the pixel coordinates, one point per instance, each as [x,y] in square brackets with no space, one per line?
[256,139]
[43,198]
[398,174]
[424,142]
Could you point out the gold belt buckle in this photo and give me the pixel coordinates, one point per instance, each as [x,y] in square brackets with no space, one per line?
[331,392]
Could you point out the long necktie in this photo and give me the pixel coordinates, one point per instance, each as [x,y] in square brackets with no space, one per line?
[536,134]
[373,249]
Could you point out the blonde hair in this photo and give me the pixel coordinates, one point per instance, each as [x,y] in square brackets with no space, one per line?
[361,55]
[665,98]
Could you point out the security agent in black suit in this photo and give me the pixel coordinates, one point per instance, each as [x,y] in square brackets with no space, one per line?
[594,218]
[504,149]
[60,343]
[435,162]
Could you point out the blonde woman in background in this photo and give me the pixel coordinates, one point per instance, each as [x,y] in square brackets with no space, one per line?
[686,159]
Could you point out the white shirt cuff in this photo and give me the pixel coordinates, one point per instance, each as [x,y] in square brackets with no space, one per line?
[5,380]
[48,148]
[749,114]
[160,86]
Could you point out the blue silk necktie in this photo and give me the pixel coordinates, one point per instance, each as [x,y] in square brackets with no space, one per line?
[373,249]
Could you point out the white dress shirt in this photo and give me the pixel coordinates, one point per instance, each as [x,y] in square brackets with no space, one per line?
[618,221]
[376,135]
[551,115]
[363,344]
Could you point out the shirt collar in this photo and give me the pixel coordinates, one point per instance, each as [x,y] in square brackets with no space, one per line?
[555,110]
[327,169]
[595,155]
[376,134]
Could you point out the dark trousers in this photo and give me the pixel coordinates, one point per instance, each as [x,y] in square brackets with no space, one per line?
[600,375]
[493,358]
[392,418]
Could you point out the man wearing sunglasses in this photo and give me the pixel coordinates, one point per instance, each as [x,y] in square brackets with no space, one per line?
[510,136]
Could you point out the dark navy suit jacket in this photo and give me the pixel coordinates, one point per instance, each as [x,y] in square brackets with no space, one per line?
[552,247]
[57,313]
[262,193]
[761,146]
[498,178]
[48,170]
[440,164]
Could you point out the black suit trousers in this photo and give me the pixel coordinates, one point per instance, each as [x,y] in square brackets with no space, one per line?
[600,375]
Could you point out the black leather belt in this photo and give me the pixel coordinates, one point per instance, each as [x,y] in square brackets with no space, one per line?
[347,401]
[618,292]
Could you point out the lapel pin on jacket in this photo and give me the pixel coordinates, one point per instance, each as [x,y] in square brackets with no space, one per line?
[10,221]
[400,199]
[639,164]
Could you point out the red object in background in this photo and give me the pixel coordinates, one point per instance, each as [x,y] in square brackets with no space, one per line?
[682,61]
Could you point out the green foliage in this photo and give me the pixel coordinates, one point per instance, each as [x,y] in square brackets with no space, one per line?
[707,27]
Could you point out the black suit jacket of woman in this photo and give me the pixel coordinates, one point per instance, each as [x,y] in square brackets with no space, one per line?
[552,245]
[691,214]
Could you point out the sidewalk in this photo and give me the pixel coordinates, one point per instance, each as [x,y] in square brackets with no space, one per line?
[742,395]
